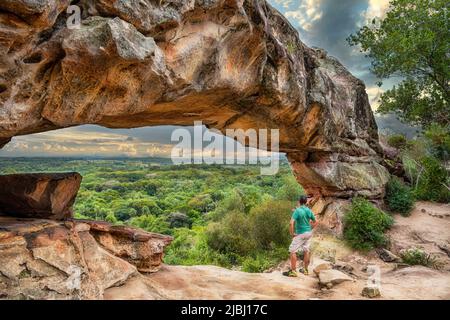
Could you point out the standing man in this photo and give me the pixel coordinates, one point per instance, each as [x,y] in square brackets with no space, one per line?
[302,223]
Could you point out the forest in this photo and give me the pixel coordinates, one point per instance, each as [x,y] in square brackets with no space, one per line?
[221,215]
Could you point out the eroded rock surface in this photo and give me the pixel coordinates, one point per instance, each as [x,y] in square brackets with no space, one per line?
[45,259]
[39,195]
[231,63]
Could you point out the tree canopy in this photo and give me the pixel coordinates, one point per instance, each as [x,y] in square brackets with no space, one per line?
[411,42]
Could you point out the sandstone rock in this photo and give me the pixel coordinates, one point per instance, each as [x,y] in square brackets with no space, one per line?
[39,195]
[319,265]
[42,259]
[231,64]
[332,277]
[330,212]
[387,256]
[343,266]
[371,292]
[142,249]
[443,246]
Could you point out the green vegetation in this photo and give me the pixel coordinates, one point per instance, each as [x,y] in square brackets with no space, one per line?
[364,225]
[221,215]
[411,42]
[399,197]
[397,141]
[428,176]
[416,256]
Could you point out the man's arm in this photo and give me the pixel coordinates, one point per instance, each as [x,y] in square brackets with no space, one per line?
[291,227]
[312,221]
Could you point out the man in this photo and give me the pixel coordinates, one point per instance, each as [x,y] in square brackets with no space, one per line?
[301,225]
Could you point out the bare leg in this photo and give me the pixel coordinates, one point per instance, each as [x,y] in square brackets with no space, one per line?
[293,261]
[306,260]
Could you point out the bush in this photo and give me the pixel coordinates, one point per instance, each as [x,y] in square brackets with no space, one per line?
[416,256]
[270,224]
[399,197]
[364,225]
[256,265]
[431,183]
[397,141]
[439,138]
[189,248]
[231,235]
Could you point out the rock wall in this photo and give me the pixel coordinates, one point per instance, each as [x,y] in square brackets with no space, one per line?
[230,63]
[39,195]
[45,259]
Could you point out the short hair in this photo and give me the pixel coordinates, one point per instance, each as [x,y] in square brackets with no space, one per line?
[303,199]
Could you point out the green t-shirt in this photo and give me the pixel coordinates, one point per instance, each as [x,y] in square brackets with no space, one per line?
[302,215]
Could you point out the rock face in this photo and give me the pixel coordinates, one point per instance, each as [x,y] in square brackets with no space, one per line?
[45,259]
[39,195]
[234,64]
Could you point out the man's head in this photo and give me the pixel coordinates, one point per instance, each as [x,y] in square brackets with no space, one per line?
[302,200]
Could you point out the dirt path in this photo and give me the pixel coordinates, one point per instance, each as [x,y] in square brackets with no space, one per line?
[427,227]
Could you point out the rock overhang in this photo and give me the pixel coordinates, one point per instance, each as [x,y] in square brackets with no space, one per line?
[232,64]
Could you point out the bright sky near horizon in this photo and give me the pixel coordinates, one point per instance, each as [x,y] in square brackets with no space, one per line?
[321,23]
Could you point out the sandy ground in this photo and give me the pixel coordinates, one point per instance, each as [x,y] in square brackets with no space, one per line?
[428,227]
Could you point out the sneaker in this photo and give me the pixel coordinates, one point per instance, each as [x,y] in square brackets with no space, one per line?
[290,273]
[304,271]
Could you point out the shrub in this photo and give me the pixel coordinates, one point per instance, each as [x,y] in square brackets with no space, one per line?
[399,197]
[232,201]
[364,225]
[256,265]
[439,138]
[416,256]
[270,223]
[231,235]
[431,184]
[397,141]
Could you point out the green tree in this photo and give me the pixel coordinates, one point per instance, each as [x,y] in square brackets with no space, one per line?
[152,224]
[270,223]
[411,42]
[290,189]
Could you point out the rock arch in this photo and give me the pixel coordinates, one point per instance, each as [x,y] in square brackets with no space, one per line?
[229,63]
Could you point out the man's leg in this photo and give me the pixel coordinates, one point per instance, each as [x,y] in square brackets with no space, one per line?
[293,261]
[306,259]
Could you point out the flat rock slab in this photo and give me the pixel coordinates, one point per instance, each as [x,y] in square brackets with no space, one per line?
[332,277]
[39,195]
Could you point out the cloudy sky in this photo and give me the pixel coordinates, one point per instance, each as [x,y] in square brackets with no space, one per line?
[321,23]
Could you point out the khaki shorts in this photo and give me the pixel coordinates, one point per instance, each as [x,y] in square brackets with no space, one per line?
[301,242]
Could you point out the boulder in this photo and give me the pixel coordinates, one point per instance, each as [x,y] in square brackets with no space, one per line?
[343,266]
[39,195]
[371,292]
[319,265]
[45,259]
[332,277]
[387,256]
[143,249]
[230,64]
